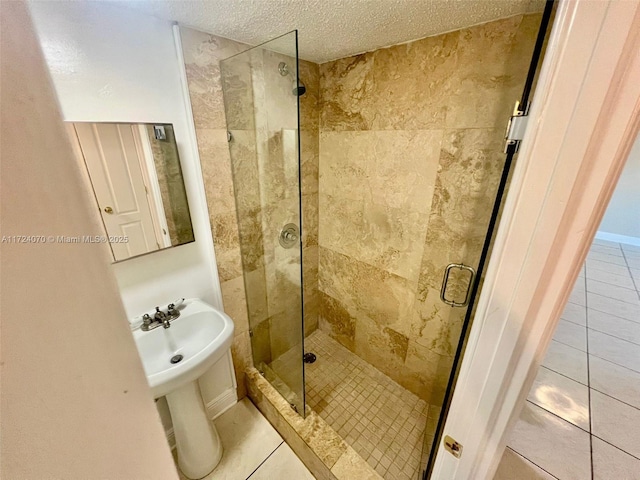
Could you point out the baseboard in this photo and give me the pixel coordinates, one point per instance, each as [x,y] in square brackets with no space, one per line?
[614,237]
[215,408]
[222,403]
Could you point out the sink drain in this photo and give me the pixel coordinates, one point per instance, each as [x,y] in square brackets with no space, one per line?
[309,357]
[176,358]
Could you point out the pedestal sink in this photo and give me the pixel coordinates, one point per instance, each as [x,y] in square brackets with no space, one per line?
[194,342]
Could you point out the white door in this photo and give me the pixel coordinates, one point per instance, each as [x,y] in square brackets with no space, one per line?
[113,163]
[582,124]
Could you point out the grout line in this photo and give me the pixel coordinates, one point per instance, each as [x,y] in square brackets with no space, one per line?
[594,389]
[262,463]
[615,446]
[567,345]
[577,304]
[610,284]
[534,463]
[575,323]
[588,373]
[614,299]
[614,336]
[614,398]
[613,315]
[607,261]
[633,280]
[563,375]
[615,363]
[609,271]
[570,346]
[560,418]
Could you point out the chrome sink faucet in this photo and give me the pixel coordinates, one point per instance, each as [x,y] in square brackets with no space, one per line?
[160,317]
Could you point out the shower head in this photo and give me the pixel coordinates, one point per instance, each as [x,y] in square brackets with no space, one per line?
[299,88]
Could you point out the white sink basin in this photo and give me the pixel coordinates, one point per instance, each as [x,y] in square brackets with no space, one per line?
[201,334]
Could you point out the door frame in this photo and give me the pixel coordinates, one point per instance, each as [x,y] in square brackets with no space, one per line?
[584,119]
[150,177]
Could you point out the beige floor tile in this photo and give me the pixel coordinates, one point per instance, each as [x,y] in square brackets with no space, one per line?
[630,248]
[615,381]
[612,463]
[609,250]
[606,243]
[571,334]
[615,350]
[635,273]
[632,258]
[558,447]
[613,307]
[605,277]
[562,396]
[633,262]
[631,253]
[575,313]
[514,466]
[567,361]
[629,295]
[578,297]
[606,267]
[615,422]
[615,326]
[247,438]
[283,463]
[606,257]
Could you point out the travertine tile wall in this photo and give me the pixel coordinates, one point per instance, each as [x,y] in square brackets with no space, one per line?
[410,159]
[202,53]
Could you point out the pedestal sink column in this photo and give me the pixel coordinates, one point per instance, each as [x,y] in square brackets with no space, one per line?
[197,441]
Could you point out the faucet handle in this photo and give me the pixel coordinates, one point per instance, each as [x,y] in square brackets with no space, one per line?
[174,305]
[146,319]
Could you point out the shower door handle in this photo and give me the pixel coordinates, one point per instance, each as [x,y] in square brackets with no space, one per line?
[445,280]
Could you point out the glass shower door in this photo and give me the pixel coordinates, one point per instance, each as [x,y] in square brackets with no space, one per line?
[461,282]
[261,90]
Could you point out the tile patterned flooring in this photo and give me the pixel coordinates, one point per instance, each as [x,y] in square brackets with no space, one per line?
[381,420]
[582,416]
[253,449]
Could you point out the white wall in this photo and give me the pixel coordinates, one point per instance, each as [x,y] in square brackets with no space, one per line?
[75,402]
[623,213]
[112,64]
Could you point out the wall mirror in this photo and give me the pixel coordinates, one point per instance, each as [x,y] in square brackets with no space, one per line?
[135,175]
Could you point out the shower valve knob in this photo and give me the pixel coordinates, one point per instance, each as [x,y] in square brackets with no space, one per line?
[289,235]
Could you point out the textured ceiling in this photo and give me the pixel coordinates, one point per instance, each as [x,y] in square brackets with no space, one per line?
[331,29]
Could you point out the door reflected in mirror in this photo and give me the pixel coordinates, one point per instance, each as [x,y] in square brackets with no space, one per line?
[135,175]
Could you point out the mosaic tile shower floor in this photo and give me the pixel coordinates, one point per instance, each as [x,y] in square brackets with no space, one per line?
[381,420]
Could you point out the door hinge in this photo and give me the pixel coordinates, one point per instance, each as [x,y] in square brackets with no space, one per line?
[453,447]
[516,127]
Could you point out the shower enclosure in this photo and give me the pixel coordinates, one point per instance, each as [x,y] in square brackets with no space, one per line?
[261,94]
[366,192]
